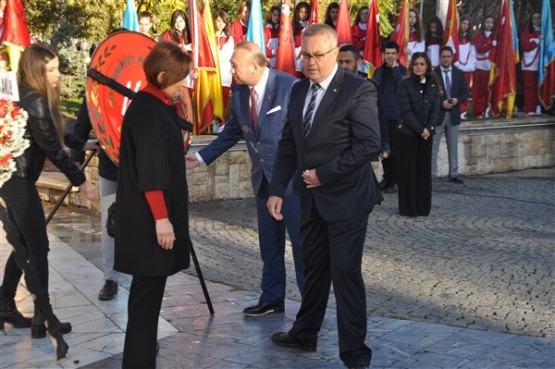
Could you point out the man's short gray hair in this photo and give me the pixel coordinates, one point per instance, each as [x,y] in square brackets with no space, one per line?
[318,29]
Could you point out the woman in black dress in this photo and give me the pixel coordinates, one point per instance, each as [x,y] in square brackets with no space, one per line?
[152,225]
[419,104]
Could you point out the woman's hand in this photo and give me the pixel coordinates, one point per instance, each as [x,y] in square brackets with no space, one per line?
[165,234]
[89,190]
[425,134]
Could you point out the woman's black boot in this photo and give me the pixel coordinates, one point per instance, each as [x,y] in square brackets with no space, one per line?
[9,314]
[38,328]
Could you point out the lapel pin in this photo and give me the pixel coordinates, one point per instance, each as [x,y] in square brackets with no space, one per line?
[334,90]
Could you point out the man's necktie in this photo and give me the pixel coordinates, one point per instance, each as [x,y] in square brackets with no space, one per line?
[447,84]
[308,115]
[254,114]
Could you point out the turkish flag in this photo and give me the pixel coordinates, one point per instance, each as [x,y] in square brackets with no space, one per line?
[285,60]
[313,12]
[401,31]
[502,77]
[373,44]
[16,32]
[451,33]
[343,26]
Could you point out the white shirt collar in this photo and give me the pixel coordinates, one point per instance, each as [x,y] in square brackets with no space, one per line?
[326,83]
[260,87]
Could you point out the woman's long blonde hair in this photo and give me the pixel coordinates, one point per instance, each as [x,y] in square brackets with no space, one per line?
[32,73]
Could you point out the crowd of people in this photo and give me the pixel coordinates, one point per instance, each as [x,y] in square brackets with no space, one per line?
[471,56]
[310,137]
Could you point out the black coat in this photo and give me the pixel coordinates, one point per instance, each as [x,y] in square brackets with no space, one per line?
[345,135]
[388,80]
[43,139]
[418,110]
[152,157]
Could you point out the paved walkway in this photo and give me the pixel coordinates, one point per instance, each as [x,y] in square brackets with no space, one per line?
[471,286]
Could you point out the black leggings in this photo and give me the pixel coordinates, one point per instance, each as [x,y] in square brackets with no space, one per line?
[25,210]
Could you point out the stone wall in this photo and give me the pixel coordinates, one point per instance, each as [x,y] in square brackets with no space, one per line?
[227,178]
[502,145]
[484,147]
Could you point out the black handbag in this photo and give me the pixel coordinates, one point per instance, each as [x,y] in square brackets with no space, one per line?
[111,221]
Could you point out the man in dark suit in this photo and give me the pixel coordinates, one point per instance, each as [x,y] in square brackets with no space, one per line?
[455,90]
[259,112]
[332,132]
[349,59]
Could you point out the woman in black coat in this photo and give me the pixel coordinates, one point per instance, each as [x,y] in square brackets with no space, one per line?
[39,92]
[419,104]
[152,225]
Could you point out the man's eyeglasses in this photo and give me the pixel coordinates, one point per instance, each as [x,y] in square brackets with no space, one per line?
[317,57]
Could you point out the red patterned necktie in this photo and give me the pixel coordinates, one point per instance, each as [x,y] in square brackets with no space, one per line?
[254,114]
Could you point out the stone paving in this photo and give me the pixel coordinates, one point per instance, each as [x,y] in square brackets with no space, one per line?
[482,260]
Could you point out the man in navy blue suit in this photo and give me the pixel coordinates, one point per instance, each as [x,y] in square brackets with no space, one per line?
[455,90]
[258,114]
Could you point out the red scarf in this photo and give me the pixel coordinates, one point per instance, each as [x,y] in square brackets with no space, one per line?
[159,94]
[166,99]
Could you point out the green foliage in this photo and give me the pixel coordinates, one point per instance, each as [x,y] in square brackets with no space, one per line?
[73,66]
[71,106]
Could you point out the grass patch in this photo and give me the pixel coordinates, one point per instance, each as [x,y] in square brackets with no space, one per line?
[70,106]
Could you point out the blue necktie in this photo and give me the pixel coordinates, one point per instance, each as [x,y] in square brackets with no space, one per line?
[447,83]
[308,115]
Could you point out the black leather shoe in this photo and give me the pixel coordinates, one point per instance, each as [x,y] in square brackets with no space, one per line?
[358,367]
[263,308]
[283,339]
[9,314]
[38,328]
[108,291]
[456,180]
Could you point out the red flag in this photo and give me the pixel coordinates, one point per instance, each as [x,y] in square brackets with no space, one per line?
[502,77]
[285,60]
[401,31]
[16,32]
[313,12]
[372,46]
[451,33]
[343,26]
[205,65]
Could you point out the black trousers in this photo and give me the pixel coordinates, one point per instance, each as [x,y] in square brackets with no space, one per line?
[143,309]
[25,210]
[332,253]
[390,164]
[415,175]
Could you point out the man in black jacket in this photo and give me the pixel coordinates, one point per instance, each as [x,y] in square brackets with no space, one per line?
[388,77]
[456,92]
